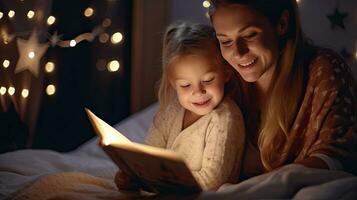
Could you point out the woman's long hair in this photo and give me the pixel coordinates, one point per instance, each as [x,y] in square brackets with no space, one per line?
[288,83]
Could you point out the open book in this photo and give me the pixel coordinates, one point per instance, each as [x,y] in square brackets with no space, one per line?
[156,169]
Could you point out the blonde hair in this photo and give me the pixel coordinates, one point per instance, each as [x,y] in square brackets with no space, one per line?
[182,39]
[287,87]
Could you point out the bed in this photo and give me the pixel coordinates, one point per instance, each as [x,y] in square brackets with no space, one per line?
[87,173]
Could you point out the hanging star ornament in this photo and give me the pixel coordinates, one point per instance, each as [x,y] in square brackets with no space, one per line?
[55,38]
[30,54]
[337,19]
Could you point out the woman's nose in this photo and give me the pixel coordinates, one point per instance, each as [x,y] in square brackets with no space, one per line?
[241,48]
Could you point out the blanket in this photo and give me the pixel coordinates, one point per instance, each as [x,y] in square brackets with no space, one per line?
[87,173]
[289,182]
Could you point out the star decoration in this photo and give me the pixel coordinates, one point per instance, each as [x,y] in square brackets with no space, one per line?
[336,19]
[345,54]
[30,54]
[55,38]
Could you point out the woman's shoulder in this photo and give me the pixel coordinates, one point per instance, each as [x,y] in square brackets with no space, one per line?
[326,64]
[328,61]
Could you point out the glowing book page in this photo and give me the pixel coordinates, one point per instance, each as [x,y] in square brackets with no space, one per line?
[108,134]
[157,169]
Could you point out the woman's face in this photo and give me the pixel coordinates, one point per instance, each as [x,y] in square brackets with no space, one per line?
[248,41]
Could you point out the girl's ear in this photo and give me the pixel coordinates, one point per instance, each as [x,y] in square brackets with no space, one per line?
[283,23]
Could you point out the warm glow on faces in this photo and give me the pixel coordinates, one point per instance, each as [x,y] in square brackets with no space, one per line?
[248,42]
[198,81]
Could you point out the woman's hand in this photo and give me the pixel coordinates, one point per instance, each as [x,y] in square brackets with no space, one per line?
[125,182]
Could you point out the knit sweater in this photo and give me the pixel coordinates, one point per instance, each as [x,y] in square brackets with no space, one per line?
[212,146]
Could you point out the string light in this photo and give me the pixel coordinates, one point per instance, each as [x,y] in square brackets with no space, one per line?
[50,90]
[2,90]
[11,90]
[206,4]
[72,43]
[6,63]
[116,38]
[88,12]
[113,66]
[25,93]
[51,20]
[30,14]
[49,67]
[11,13]
[1,15]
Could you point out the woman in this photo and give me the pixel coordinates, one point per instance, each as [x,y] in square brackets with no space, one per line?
[299,101]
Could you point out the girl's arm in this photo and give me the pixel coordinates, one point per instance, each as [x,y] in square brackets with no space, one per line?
[223,152]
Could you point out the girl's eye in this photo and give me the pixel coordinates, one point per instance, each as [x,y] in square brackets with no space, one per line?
[185,86]
[208,80]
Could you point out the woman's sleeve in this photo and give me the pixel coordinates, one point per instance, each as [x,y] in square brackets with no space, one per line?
[333,113]
[223,151]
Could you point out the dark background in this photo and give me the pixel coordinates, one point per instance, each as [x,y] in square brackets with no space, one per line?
[61,121]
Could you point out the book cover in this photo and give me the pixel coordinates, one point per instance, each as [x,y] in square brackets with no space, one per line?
[156,169]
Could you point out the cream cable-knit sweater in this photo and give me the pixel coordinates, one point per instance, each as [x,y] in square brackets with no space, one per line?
[212,146]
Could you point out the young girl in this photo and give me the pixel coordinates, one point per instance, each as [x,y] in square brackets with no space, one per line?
[196,117]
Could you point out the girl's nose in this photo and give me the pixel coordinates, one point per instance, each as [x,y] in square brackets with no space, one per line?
[198,90]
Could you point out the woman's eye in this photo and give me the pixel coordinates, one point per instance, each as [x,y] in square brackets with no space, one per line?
[226,43]
[251,35]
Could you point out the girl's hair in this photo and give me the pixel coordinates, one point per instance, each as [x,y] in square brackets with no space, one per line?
[287,87]
[182,39]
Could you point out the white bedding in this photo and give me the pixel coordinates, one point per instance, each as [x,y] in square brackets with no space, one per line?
[87,173]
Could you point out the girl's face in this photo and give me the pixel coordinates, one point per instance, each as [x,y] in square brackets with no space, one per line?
[199,82]
[248,42]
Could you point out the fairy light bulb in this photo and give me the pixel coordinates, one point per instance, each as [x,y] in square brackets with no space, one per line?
[88,12]
[25,93]
[51,20]
[50,90]
[206,4]
[49,67]
[30,14]
[116,38]
[31,54]
[11,13]
[1,15]
[113,66]
[72,43]
[2,90]
[11,90]
[6,63]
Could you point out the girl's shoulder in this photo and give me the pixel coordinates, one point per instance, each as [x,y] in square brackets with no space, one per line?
[169,112]
[228,107]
